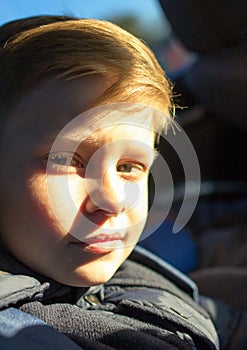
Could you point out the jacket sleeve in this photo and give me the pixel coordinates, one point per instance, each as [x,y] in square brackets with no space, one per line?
[21,330]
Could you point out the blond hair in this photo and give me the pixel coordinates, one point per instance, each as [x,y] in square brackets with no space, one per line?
[40,49]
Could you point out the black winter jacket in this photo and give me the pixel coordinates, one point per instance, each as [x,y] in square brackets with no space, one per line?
[146,305]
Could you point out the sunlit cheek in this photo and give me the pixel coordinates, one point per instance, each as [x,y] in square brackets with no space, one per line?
[137,201]
[38,199]
[37,188]
[65,194]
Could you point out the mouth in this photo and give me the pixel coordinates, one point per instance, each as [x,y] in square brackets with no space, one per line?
[101,244]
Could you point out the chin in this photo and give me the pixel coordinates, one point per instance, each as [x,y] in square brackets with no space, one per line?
[78,281]
[87,278]
[93,271]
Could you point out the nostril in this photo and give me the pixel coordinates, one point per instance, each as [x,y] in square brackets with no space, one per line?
[107,213]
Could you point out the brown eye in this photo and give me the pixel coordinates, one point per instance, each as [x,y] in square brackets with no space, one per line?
[131,169]
[63,162]
[125,168]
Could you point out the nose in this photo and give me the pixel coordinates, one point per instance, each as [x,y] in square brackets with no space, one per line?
[106,194]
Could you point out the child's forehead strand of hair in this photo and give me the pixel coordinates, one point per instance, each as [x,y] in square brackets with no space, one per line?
[75,48]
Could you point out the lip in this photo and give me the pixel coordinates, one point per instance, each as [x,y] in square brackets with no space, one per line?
[101,244]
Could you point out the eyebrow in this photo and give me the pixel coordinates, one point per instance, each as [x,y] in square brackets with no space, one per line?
[72,137]
[72,140]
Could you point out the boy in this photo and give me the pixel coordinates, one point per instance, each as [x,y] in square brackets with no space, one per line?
[81,103]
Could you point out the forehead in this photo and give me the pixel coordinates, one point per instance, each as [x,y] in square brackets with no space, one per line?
[53,103]
[66,106]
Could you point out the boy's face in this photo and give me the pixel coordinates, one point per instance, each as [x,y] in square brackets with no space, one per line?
[70,224]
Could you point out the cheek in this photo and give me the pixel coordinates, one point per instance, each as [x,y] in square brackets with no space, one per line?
[139,197]
[139,210]
[63,197]
[38,194]
[25,210]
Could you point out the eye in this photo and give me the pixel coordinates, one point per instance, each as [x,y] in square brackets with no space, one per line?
[126,168]
[64,162]
[131,169]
